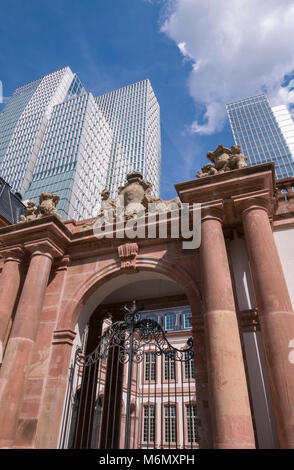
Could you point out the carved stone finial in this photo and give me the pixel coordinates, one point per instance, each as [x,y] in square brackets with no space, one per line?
[223,159]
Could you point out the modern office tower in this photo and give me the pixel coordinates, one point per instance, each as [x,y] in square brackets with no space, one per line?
[56,137]
[258,130]
[73,157]
[286,124]
[134,115]
[23,124]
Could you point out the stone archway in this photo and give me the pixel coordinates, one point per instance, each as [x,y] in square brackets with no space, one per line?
[121,424]
[100,279]
[85,295]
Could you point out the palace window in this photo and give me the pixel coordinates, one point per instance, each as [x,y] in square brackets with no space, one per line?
[170,423]
[169,365]
[191,419]
[150,366]
[186,317]
[170,321]
[189,366]
[149,423]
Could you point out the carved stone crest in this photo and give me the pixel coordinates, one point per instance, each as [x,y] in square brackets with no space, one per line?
[134,200]
[128,254]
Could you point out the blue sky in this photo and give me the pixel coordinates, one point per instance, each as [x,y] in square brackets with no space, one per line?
[111,43]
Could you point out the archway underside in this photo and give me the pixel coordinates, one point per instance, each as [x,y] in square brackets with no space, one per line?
[142,402]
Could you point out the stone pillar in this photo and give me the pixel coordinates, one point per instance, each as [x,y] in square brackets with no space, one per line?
[229,403]
[274,309]
[17,357]
[35,386]
[9,285]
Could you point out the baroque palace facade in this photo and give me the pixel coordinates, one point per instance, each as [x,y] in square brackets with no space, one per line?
[203,359]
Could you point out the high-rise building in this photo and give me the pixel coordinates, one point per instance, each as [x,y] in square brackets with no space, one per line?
[56,137]
[23,124]
[263,133]
[134,115]
[286,124]
[73,157]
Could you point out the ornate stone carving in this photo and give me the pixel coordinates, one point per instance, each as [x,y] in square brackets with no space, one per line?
[108,207]
[128,254]
[223,159]
[207,170]
[134,200]
[31,212]
[47,206]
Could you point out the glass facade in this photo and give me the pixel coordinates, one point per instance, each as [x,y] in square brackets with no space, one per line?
[257,131]
[23,124]
[73,157]
[134,115]
[56,137]
[286,124]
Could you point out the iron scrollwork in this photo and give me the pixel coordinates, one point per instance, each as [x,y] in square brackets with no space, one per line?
[131,335]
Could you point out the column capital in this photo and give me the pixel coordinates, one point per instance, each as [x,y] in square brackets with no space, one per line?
[45,248]
[250,201]
[213,210]
[13,253]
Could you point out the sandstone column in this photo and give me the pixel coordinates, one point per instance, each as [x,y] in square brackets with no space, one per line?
[9,285]
[275,311]
[17,357]
[228,394]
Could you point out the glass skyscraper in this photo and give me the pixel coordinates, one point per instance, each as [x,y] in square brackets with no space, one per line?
[286,124]
[56,137]
[261,134]
[134,115]
[73,157]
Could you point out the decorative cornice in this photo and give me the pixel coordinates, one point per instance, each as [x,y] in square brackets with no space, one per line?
[63,337]
[128,254]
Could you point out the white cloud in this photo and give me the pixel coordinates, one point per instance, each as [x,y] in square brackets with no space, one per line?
[237,48]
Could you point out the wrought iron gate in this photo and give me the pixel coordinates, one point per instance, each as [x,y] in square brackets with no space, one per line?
[135,390]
